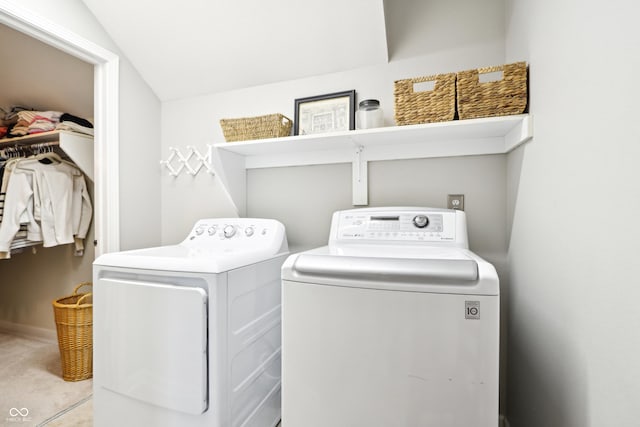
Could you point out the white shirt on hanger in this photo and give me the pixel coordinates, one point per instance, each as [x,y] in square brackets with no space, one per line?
[52,199]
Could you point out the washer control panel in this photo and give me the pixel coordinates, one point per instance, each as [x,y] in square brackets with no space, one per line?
[385,225]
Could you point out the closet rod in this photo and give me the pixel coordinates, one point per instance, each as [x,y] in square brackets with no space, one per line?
[77,146]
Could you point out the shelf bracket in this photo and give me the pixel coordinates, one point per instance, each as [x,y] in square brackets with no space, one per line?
[360,173]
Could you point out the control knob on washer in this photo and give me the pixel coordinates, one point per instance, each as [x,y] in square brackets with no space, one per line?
[248,231]
[420,221]
[229,231]
[212,230]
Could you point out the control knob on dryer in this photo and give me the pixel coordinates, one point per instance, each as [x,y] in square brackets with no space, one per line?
[248,231]
[420,221]
[229,231]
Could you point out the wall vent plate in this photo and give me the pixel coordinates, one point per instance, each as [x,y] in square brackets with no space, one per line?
[455,201]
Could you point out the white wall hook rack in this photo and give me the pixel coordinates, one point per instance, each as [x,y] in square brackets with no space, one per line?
[184,161]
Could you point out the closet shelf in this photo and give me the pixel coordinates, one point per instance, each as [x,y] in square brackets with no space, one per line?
[78,146]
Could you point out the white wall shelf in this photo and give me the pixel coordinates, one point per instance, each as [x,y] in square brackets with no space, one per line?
[494,135]
[77,146]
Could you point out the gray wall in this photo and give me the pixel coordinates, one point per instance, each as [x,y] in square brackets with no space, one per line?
[67,84]
[305,197]
[573,315]
[31,281]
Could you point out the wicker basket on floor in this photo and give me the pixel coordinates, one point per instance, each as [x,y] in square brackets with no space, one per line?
[74,325]
[437,105]
[492,98]
[244,129]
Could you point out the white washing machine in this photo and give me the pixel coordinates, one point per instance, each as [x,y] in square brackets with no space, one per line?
[394,323]
[190,334]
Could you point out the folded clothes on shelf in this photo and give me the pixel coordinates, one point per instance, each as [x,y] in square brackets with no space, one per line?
[22,121]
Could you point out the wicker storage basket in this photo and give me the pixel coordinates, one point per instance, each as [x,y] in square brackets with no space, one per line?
[493,98]
[243,129]
[437,105]
[74,324]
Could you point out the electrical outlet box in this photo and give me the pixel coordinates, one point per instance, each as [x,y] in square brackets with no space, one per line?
[455,201]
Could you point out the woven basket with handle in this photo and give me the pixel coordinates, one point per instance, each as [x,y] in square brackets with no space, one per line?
[502,97]
[74,325]
[244,129]
[414,106]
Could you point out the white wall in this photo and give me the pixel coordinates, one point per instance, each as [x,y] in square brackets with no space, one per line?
[573,315]
[139,168]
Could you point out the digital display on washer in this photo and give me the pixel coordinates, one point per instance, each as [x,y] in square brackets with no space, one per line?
[385,218]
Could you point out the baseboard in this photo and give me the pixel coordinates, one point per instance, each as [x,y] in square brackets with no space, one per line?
[27,331]
[504,422]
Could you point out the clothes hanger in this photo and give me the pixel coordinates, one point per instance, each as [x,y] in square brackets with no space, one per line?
[50,155]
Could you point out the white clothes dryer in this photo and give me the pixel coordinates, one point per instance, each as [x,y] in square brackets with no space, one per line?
[394,324]
[190,334]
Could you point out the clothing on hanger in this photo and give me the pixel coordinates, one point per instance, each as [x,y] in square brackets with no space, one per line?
[52,199]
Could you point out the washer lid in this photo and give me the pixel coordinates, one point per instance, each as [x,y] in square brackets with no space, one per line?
[440,270]
[405,270]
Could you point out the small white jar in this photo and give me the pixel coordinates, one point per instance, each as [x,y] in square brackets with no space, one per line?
[369,114]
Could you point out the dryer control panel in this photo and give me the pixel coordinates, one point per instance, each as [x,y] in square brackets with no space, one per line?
[228,232]
[398,224]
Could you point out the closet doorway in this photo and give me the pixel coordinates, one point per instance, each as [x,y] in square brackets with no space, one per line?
[28,285]
[106,112]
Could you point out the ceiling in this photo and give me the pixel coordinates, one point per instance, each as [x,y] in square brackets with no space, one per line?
[193,47]
[196,47]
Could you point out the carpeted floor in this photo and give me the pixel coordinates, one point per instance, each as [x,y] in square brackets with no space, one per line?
[32,391]
[80,415]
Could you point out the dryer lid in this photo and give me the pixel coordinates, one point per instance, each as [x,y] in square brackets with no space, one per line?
[184,259]
[214,245]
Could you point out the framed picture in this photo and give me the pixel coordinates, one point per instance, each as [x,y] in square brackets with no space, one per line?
[325,113]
